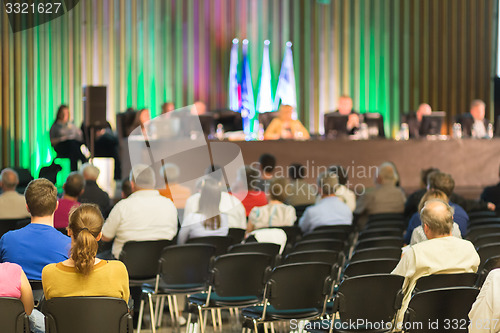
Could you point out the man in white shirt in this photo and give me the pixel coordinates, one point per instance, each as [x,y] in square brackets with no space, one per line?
[330,210]
[145,215]
[12,204]
[441,254]
[485,313]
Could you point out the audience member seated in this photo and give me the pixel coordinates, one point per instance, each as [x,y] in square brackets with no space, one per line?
[38,244]
[73,188]
[298,191]
[229,204]
[441,254]
[66,138]
[414,120]
[248,178]
[285,127]
[386,197]
[343,192]
[173,190]
[492,194]
[330,210]
[418,234]
[267,163]
[467,204]
[105,145]
[92,193]
[474,124]
[83,274]
[145,215]
[413,200]
[445,183]
[12,204]
[15,284]
[133,119]
[207,220]
[485,311]
[276,213]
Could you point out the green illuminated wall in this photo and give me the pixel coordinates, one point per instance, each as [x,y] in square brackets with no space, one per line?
[389,55]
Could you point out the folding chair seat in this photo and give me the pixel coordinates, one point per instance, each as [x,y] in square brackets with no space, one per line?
[237,280]
[295,291]
[181,270]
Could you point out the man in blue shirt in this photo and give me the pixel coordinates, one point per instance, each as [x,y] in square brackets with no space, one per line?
[330,210]
[38,244]
[445,183]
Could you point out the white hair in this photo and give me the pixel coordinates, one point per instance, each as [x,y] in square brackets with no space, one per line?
[143,176]
[90,171]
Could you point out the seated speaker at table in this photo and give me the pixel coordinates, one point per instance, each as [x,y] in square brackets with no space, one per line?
[285,127]
[351,122]
[474,124]
[414,120]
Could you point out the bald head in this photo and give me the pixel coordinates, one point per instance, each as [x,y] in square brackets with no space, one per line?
[10,179]
[437,218]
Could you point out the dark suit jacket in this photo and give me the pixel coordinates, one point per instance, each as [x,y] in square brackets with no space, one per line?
[466,120]
[94,194]
[492,194]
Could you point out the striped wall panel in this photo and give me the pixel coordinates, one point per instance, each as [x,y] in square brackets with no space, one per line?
[389,55]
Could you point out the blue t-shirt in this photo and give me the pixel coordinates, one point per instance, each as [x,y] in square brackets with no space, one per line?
[328,211]
[33,247]
[460,217]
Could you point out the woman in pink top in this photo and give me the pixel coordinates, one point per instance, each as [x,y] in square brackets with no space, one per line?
[14,283]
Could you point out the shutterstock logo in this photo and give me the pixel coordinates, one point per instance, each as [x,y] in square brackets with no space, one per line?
[174,146]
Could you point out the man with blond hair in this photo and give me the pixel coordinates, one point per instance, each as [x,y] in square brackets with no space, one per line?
[440,254]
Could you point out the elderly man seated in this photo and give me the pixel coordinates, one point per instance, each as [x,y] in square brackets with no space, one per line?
[441,254]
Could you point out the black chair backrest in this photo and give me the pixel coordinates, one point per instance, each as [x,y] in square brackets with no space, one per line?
[481,230]
[379,242]
[487,239]
[221,243]
[487,251]
[437,281]
[7,225]
[484,221]
[326,256]
[481,214]
[319,244]
[270,249]
[385,224]
[186,264]
[241,274]
[386,217]
[372,266]
[327,234]
[141,258]
[446,305]
[490,264]
[375,298]
[380,232]
[12,316]
[236,234]
[348,228]
[87,314]
[376,253]
[299,286]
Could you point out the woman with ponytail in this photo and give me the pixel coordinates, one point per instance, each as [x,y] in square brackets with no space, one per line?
[83,274]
